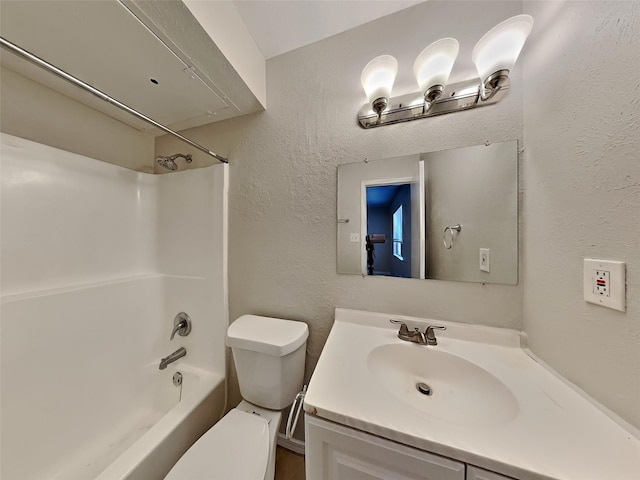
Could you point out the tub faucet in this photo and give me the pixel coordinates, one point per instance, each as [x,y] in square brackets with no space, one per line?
[179,353]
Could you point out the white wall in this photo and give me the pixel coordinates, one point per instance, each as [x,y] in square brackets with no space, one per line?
[224,25]
[283,176]
[35,112]
[582,192]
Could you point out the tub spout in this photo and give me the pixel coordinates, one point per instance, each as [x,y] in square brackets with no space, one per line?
[181,352]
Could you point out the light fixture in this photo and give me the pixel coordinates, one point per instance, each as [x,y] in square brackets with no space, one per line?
[377,80]
[433,67]
[494,56]
[497,51]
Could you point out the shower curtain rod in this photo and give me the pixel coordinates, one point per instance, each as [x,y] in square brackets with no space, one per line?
[103,96]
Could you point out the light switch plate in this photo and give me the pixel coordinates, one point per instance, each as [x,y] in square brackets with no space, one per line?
[485,260]
[605,283]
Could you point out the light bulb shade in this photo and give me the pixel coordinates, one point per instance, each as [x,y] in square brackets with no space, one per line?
[499,48]
[378,76]
[433,65]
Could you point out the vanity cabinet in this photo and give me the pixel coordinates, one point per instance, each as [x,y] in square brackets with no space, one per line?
[336,452]
[492,405]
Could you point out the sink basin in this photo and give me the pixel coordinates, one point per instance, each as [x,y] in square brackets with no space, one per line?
[460,391]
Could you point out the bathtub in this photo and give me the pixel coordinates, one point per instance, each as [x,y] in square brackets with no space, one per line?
[82,395]
[160,447]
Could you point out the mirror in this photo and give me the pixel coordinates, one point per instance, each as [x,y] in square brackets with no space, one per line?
[448,215]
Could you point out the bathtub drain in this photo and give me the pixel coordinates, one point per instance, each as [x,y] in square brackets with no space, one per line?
[177,379]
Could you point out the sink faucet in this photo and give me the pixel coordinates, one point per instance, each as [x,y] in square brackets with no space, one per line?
[430,335]
[416,336]
[181,352]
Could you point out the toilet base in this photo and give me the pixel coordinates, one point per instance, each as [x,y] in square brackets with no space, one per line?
[274,417]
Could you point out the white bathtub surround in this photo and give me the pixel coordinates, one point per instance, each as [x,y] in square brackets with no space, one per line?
[69,220]
[92,277]
[492,405]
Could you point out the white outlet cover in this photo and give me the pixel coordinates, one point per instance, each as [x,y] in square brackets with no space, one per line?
[354,237]
[485,260]
[617,283]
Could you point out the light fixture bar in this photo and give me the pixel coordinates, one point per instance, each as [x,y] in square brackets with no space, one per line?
[455,98]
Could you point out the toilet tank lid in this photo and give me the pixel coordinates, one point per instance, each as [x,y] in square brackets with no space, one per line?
[272,336]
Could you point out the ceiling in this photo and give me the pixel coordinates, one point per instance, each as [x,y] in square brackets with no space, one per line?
[281,26]
[144,66]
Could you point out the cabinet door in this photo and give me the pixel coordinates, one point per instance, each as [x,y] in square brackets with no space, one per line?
[476,473]
[336,452]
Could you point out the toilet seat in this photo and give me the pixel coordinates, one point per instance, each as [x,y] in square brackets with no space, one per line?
[237,447]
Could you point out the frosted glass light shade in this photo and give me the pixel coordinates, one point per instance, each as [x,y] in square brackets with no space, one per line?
[378,76]
[433,65]
[499,48]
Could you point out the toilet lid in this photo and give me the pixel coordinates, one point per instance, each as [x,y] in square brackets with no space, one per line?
[237,447]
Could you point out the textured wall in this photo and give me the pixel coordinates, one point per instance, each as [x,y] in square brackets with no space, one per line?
[582,192]
[282,205]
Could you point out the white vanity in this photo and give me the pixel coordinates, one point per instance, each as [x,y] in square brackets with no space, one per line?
[485,409]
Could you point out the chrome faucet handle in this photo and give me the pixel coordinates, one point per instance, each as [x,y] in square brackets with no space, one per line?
[181,325]
[430,336]
[403,333]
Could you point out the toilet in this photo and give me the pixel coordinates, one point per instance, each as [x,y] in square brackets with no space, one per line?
[269,354]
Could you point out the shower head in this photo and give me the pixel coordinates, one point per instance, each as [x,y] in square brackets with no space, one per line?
[169,162]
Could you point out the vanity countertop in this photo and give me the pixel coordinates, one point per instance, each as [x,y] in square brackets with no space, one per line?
[538,426]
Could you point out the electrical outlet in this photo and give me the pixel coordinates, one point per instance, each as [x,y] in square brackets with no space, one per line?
[485,260]
[601,282]
[354,237]
[604,283]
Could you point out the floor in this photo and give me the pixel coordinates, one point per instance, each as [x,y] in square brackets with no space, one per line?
[289,465]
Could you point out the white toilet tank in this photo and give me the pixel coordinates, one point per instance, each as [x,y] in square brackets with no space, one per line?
[269,354]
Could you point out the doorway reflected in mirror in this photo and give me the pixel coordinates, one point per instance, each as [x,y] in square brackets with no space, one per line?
[388,239]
